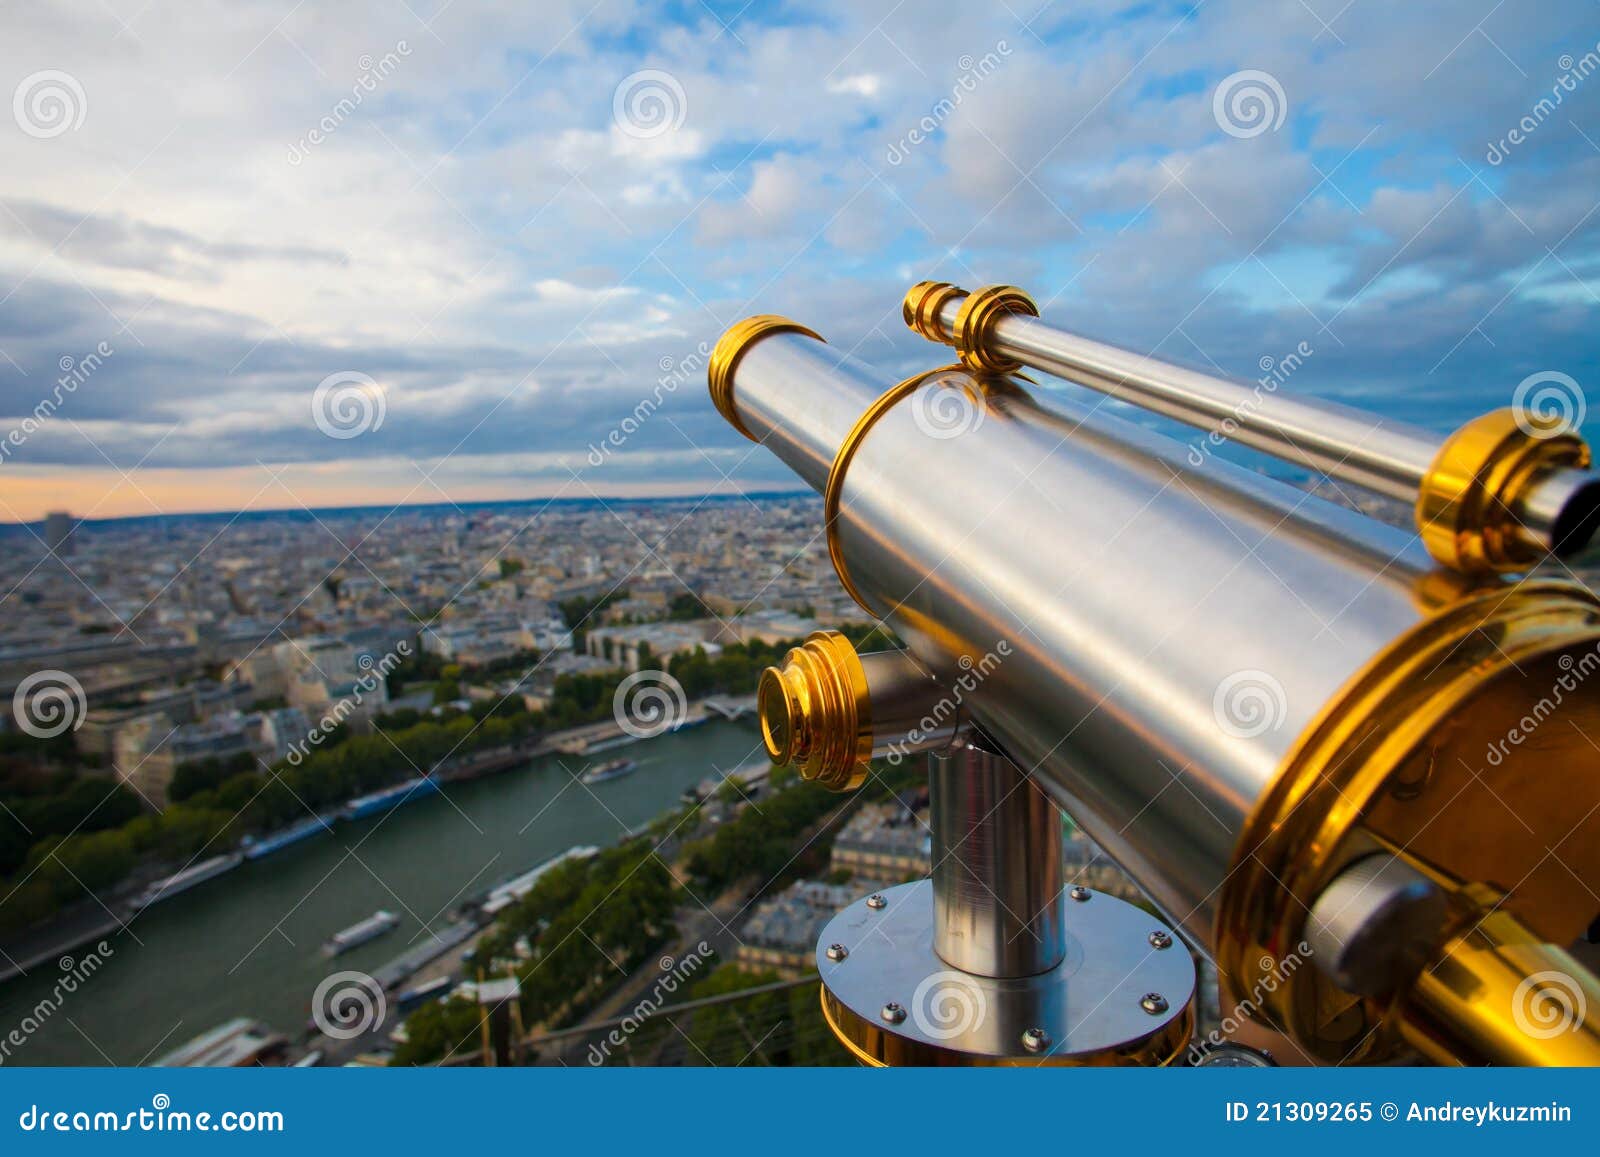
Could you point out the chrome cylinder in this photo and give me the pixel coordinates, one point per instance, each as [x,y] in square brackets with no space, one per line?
[997,870]
[910,712]
[1559,511]
[1147,636]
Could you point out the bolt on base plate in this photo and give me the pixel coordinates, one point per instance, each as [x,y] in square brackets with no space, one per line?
[1094,1008]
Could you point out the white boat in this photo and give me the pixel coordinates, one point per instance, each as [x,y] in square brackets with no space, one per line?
[358,934]
[502,896]
[235,1044]
[170,886]
[615,769]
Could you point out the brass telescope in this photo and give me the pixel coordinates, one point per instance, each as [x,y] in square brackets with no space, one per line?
[1307,735]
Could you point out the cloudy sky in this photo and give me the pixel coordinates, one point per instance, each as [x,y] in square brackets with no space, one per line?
[466,238]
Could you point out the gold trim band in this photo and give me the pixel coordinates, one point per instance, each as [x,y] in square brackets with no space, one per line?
[730,348]
[1386,757]
[924,302]
[816,713]
[975,325]
[1466,500]
[834,490]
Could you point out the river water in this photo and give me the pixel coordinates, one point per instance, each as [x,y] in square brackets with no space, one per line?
[249,943]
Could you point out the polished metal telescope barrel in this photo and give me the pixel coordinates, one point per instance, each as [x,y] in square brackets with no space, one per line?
[1552,504]
[1235,687]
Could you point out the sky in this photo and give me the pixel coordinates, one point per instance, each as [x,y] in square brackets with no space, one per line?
[276,254]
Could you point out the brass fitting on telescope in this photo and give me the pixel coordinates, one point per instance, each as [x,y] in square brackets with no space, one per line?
[921,308]
[1466,506]
[1413,754]
[731,347]
[972,335]
[816,714]
[829,711]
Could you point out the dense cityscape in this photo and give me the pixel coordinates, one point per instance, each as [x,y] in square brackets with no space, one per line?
[194,694]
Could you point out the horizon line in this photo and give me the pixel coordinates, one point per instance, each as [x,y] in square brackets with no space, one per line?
[222,512]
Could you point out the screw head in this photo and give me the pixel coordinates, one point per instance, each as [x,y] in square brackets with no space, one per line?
[893,1013]
[837,952]
[1035,1040]
[1160,939]
[876,900]
[1079,893]
[1153,1003]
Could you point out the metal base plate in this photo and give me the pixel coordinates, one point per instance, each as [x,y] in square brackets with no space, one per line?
[892,1001]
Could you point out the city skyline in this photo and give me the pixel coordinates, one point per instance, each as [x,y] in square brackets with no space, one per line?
[474,243]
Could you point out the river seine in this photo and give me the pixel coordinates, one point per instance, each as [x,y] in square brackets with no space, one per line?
[249,943]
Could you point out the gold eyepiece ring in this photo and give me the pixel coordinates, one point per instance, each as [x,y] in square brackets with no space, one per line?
[1466,503]
[975,325]
[730,348]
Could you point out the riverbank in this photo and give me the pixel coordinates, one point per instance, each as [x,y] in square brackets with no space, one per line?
[96,918]
[252,947]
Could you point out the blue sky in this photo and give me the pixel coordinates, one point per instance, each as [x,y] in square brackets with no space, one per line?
[533,211]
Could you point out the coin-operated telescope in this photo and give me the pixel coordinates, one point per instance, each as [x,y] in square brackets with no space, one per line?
[1358,767]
